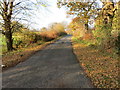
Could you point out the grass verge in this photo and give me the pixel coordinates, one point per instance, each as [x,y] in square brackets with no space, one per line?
[101,67]
[11,59]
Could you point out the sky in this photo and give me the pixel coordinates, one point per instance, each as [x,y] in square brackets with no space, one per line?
[44,16]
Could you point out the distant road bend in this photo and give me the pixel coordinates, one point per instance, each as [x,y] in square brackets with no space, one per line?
[54,67]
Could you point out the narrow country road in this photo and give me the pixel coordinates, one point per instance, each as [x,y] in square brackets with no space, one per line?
[54,67]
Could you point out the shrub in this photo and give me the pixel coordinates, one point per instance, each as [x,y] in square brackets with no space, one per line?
[102,35]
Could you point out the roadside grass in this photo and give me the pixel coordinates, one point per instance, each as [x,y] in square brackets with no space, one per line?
[101,66]
[3,44]
[12,58]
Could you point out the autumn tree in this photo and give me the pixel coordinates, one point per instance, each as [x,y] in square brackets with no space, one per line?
[9,10]
[106,25]
[57,27]
[108,12]
[44,29]
[77,27]
[83,10]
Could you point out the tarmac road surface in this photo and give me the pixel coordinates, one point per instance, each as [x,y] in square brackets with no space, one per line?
[54,67]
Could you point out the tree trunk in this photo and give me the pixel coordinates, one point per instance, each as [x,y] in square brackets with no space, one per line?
[6,15]
[8,35]
[9,41]
[86,26]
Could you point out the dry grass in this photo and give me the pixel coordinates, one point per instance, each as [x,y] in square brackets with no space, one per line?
[101,67]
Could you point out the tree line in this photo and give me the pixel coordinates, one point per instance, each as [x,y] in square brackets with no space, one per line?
[11,13]
[106,31]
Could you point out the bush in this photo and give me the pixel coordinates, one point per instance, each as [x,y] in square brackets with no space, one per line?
[117,44]
[51,34]
[103,36]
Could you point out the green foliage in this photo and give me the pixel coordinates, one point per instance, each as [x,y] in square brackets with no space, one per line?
[102,33]
[84,42]
[3,44]
[116,23]
[2,39]
[23,37]
[116,29]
